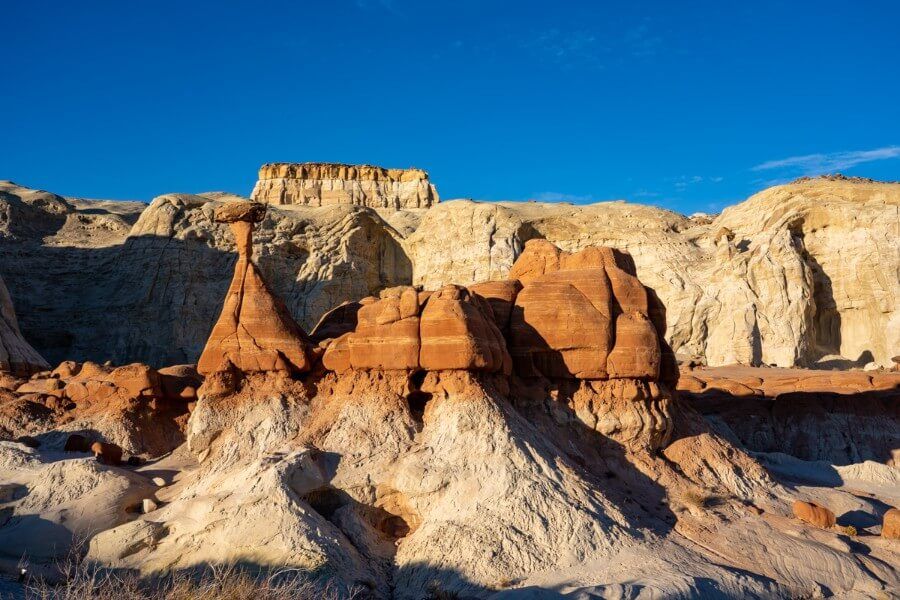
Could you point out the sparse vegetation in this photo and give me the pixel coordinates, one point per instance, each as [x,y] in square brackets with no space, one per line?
[849,530]
[217,583]
[698,498]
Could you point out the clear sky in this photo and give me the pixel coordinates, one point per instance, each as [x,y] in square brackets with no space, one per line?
[687,105]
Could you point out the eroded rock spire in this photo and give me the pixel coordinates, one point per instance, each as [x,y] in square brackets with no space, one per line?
[255,331]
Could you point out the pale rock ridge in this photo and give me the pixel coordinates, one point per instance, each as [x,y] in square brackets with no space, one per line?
[795,273]
[16,355]
[323,184]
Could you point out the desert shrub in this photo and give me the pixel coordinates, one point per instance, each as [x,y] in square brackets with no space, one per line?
[696,498]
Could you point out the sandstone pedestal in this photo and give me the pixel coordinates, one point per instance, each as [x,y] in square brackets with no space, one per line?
[255,331]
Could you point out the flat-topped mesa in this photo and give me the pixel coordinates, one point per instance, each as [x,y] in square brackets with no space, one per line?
[323,184]
[255,331]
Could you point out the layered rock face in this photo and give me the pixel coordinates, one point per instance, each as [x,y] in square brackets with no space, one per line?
[16,355]
[409,330]
[839,417]
[324,184]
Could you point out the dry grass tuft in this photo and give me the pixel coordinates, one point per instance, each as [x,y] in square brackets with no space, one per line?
[216,583]
[699,499]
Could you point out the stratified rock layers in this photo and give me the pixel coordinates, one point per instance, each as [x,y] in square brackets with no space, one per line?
[323,184]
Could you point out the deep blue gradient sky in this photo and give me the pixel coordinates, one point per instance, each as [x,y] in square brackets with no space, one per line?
[687,105]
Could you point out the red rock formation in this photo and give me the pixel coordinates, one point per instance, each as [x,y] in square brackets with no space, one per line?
[255,331]
[583,316]
[409,330]
[458,332]
[135,406]
[813,514]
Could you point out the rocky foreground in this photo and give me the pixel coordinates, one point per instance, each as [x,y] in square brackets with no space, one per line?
[527,436]
[804,274]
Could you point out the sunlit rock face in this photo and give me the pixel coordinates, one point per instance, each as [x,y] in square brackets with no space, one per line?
[323,184]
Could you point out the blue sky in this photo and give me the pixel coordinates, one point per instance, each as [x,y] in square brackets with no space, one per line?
[687,105]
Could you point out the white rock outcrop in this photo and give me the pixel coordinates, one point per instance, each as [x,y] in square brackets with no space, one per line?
[795,273]
[16,355]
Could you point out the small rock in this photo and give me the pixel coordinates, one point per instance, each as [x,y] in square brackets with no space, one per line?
[890,525]
[107,454]
[135,461]
[813,514]
[159,481]
[148,505]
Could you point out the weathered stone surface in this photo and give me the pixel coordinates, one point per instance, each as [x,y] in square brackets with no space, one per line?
[127,282]
[255,331]
[238,211]
[458,332]
[132,406]
[812,513]
[501,295]
[408,330]
[806,272]
[841,417]
[322,184]
[16,355]
[581,316]
[386,336]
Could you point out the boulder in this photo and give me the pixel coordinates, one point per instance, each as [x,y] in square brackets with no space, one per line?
[890,525]
[255,331]
[458,332]
[107,454]
[813,514]
[407,330]
[387,333]
[583,316]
